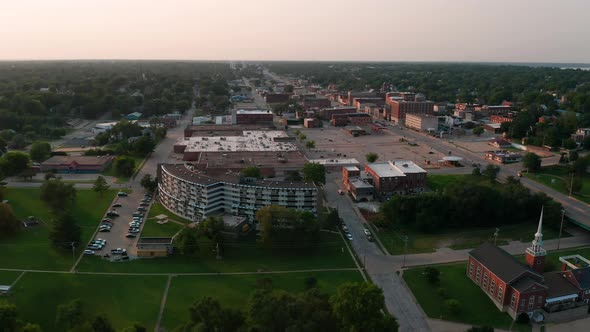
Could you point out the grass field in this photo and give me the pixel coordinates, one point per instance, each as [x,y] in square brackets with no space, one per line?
[158,209]
[460,239]
[242,256]
[233,291]
[169,229]
[558,178]
[31,248]
[8,277]
[440,181]
[475,307]
[123,299]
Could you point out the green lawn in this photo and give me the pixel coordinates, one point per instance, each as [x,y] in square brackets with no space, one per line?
[440,181]
[158,209]
[558,178]
[110,171]
[8,277]
[152,229]
[31,248]
[123,299]
[233,291]
[475,307]
[242,256]
[460,239]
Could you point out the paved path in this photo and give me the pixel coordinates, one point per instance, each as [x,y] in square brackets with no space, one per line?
[163,304]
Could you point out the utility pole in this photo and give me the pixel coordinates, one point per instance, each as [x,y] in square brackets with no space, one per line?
[405,250]
[560,228]
[218,252]
[74,256]
[572,183]
[496,233]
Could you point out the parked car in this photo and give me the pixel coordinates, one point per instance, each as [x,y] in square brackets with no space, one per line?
[122,194]
[130,236]
[133,224]
[349,236]
[367,232]
[143,204]
[345,228]
[134,230]
[88,252]
[116,205]
[370,238]
[340,192]
[104,230]
[107,219]
[141,209]
[138,214]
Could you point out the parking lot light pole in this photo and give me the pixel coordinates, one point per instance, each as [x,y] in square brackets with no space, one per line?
[560,228]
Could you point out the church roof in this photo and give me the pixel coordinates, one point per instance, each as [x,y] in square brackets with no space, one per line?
[559,285]
[501,263]
[526,283]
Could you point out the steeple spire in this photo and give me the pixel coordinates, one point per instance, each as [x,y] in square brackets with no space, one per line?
[535,254]
[539,234]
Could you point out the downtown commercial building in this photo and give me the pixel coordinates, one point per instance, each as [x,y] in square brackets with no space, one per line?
[194,195]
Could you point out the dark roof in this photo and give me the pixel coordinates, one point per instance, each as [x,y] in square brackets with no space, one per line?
[582,275]
[501,263]
[558,284]
[154,240]
[525,283]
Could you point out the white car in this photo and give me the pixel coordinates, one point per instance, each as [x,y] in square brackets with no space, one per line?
[349,236]
[133,224]
[88,252]
[367,232]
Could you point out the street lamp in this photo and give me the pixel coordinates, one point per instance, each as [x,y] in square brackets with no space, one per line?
[560,228]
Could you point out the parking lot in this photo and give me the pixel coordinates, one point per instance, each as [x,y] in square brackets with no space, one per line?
[335,142]
[116,236]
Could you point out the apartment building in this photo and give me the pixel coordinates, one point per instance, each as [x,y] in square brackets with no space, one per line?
[195,195]
[422,122]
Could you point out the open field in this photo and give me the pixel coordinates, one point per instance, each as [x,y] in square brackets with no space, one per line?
[233,291]
[475,307]
[31,248]
[123,299]
[152,229]
[8,277]
[241,256]
[158,209]
[558,178]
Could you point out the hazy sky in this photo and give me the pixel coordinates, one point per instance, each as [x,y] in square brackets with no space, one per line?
[409,30]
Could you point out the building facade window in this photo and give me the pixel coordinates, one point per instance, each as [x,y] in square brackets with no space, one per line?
[499,296]
[492,286]
[478,275]
[531,302]
[471,269]
[540,300]
[513,300]
[485,280]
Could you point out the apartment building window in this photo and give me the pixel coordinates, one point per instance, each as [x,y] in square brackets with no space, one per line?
[485,280]
[499,297]
[513,300]
[531,302]
[492,286]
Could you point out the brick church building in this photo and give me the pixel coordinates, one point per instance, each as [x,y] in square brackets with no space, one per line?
[518,288]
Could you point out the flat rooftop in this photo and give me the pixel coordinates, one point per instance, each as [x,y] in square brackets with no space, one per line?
[251,140]
[345,161]
[395,168]
[249,111]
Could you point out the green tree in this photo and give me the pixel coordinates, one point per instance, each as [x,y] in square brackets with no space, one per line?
[580,166]
[310,144]
[124,165]
[65,231]
[58,196]
[332,220]
[569,143]
[477,131]
[69,315]
[491,172]
[100,185]
[531,162]
[315,173]
[251,172]
[302,137]
[30,327]
[148,183]
[18,141]
[9,224]
[3,145]
[136,327]
[432,274]
[8,316]
[476,171]
[14,162]
[293,176]
[586,143]
[212,228]
[359,306]
[372,157]
[480,329]
[143,145]
[187,241]
[40,151]
[453,306]
[102,324]
[208,315]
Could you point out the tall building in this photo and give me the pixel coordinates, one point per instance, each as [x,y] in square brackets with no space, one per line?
[401,104]
[194,195]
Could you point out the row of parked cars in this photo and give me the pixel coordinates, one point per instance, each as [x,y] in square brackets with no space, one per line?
[349,236]
[95,246]
[138,216]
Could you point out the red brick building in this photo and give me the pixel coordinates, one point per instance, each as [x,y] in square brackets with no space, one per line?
[400,107]
[309,103]
[501,118]
[354,119]
[250,117]
[326,113]
[274,98]
[396,177]
[76,164]
[518,288]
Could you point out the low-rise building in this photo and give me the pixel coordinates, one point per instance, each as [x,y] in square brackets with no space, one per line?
[274,98]
[76,164]
[581,134]
[195,195]
[422,122]
[499,143]
[503,156]
[154,246]
[396,177]
[327,113]
[311,123]
[355,119]
[252,117]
